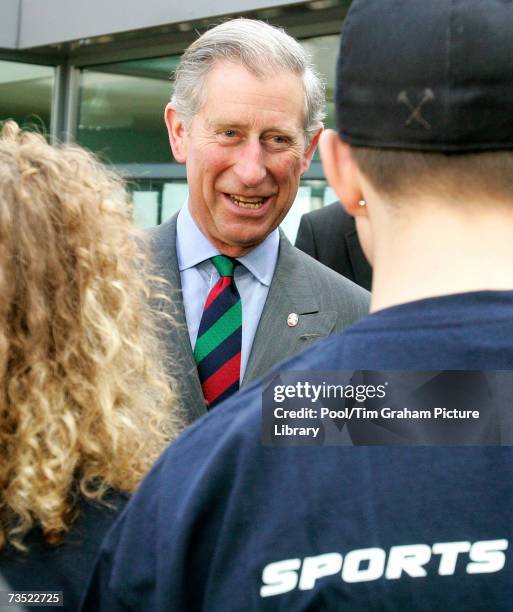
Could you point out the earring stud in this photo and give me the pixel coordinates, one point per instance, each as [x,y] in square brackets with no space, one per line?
[362,203]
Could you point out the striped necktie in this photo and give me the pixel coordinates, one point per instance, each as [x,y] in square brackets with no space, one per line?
[217,350]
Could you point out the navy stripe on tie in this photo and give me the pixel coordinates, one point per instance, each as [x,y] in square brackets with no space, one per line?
[220,355]
[218,307]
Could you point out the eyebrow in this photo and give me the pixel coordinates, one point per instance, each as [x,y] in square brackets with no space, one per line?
[224,125]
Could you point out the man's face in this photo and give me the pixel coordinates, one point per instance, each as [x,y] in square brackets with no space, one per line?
[245,152]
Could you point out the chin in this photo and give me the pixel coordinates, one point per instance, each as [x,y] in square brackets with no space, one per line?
[239,246]
[242,237]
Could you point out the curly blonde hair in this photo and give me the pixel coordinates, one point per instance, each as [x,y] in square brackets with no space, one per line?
[85,404]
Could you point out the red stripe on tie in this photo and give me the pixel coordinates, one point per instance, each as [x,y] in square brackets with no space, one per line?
[221,284]
[222,379]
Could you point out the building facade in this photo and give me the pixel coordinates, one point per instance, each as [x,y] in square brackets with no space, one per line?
[100,73]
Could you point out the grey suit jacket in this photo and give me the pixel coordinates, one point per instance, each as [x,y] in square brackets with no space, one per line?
[324,301]
[329,235]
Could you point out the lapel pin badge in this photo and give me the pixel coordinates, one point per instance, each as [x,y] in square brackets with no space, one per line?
[292,319]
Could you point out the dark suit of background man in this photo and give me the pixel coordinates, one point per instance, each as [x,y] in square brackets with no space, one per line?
[328,234]
[237,120]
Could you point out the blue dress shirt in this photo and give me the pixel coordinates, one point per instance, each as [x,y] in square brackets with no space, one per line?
[198,275]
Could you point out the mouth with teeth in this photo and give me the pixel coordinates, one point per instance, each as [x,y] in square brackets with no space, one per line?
[246,202]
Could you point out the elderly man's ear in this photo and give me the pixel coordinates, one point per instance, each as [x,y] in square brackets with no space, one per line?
[307,157]
[342,172]
[177,134]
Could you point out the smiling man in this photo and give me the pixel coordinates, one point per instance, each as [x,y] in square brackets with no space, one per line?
[226,523]
[245,118]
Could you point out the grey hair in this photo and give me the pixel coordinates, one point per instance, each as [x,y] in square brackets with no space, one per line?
[262,49]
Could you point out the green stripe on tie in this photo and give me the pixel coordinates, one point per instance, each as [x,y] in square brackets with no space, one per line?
[222,328]
[224,265]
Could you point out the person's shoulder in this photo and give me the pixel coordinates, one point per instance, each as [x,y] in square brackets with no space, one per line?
[326,282]
[160,241]
[214,436]
[237,421]
[329,214]
[163,232]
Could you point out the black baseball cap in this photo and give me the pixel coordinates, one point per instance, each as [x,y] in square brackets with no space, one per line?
[428,75]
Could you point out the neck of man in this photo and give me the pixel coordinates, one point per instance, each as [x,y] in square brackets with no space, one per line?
[427,249]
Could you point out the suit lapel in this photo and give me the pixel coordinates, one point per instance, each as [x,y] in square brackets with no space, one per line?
[290,292]
[181,364]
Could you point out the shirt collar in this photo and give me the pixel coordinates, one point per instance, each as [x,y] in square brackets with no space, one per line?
[193,247]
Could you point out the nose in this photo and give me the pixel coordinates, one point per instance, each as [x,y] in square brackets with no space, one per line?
[250,165]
